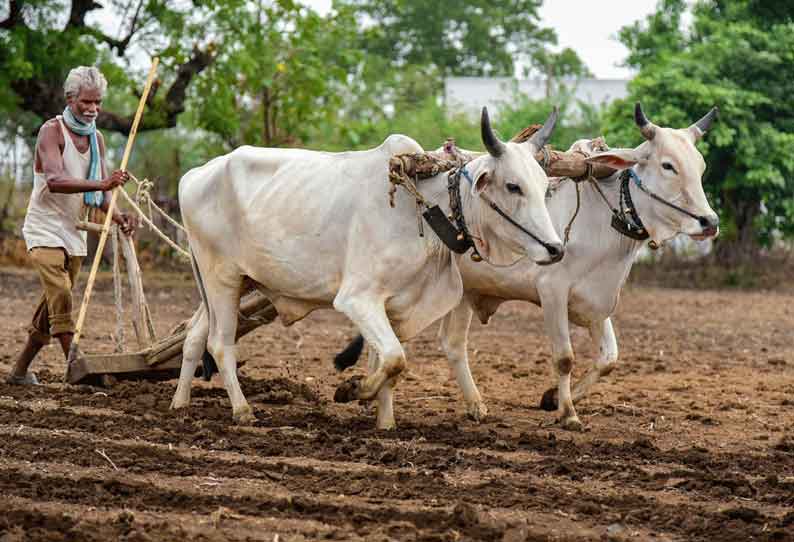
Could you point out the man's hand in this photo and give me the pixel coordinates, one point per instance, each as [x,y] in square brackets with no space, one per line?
[127,221]
[117,178]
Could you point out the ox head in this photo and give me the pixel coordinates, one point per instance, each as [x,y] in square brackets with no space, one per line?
[509,177]
[670,166]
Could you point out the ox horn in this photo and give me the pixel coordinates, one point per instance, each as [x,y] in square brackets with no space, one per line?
[541,137]
[495,147]
[704,125]
[647,128]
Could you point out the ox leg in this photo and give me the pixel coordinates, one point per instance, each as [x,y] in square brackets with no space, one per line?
[371,319]
[385,404]
[224,303]
[603,335]
[192,350]
[555,316]
[454,334]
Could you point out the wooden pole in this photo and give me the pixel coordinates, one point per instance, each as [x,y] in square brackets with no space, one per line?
[140,310]
[109,216]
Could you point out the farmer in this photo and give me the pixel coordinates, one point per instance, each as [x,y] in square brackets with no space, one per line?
[69,171]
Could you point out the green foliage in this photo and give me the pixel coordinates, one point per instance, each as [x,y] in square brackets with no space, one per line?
[281,68]
[740,60]
[281,74]
[458,37]
[520,111]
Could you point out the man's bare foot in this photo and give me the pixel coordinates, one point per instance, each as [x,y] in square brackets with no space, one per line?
[28,380]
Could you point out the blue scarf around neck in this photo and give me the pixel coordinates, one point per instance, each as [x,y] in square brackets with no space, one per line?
[92,199]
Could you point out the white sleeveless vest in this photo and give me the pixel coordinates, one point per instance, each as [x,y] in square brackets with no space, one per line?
[51,220]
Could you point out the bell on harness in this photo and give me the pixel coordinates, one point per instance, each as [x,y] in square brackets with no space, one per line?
[628,229]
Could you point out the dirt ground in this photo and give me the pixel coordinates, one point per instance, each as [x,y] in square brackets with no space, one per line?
[690,438]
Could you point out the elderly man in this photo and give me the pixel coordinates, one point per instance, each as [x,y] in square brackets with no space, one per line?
[69,171]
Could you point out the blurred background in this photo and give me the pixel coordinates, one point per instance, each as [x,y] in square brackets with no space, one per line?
[345,74]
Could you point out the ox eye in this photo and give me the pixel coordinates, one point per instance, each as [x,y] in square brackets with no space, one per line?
[514,188]
[669,167]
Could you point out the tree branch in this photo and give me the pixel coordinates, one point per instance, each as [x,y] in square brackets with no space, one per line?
[79,10]
[14,15]
[175,98]
[173,104]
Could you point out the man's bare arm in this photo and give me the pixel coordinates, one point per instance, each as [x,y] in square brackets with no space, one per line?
[58,181]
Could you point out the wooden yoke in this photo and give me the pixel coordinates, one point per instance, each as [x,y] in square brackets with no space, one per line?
[108,217]
[562,164]
[422,165]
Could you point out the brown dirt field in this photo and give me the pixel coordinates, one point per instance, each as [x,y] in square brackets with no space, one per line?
[690,438]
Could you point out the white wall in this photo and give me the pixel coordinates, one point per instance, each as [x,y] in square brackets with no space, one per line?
[470,94]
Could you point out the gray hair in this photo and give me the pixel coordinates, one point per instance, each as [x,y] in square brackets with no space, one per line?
[84,77]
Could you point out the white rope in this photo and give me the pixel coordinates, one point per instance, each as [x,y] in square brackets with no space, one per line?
[184,253]
[144,193]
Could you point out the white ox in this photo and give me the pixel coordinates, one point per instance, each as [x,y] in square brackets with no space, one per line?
[584,288]
[315,230]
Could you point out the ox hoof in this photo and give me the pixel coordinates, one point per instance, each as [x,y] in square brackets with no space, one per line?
[244,416]
[177,406]
[477,411]
[571,424]
[386,425]
[549,400]
[348,390]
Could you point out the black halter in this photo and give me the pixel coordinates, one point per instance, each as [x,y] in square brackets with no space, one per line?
[627,221]
[453,184]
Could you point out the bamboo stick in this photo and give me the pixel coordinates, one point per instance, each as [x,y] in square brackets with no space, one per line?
[109,216]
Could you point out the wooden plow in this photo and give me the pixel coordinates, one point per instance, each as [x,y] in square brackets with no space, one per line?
[159,359]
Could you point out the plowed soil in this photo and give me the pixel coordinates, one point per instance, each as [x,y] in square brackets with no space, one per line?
[690,438]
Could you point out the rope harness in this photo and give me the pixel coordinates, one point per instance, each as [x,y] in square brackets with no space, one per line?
[143,194]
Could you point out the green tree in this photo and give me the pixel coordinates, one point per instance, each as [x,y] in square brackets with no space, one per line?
[280,69]
[459,37]
[577,120]
[736,55]
[40,40]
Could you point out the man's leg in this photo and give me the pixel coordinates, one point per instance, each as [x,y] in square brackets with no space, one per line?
[73,264]
[38,337]
[19,375]
[66,343]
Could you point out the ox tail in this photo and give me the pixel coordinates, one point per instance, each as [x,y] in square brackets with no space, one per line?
[209,367]
[349,356]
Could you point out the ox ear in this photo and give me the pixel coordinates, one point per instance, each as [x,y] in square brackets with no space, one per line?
[616,158]
[483,181]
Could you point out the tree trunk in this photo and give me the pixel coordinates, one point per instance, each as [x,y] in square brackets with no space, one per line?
[743,208]
[267,134]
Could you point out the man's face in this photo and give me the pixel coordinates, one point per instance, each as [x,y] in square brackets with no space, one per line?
[86,105]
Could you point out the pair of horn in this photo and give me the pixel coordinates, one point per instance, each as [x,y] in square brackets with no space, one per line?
[496,147]
[648,129]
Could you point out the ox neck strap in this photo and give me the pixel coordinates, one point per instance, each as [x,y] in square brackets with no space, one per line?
[463,238]
[625,219]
